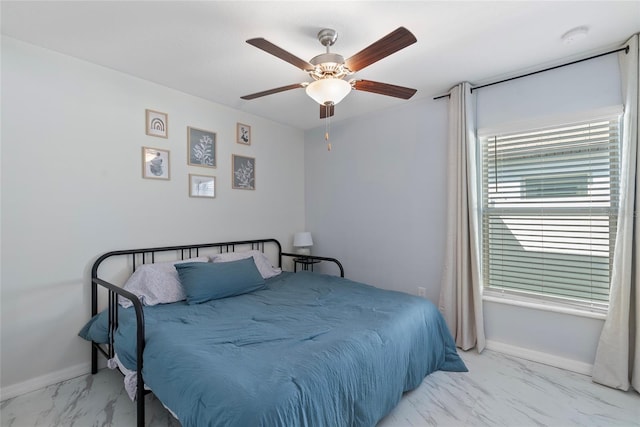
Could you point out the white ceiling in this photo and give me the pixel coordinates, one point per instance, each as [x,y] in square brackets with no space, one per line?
[199,47]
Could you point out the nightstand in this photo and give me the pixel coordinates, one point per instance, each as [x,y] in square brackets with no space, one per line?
[305,263]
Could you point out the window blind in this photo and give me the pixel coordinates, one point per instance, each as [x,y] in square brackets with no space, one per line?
[549,207]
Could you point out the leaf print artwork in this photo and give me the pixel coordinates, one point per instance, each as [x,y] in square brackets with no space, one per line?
[203,151]
[243,173]
[202,148]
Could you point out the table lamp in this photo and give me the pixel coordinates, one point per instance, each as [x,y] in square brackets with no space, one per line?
[303,242]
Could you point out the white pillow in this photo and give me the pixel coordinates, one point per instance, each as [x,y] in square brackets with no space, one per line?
[262,262]
[156,283]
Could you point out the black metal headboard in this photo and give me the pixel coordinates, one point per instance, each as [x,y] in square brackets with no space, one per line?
[146,256]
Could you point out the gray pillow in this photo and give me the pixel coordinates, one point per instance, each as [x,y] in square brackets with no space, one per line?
[157,283]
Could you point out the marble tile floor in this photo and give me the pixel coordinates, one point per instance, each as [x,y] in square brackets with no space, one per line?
[498,390]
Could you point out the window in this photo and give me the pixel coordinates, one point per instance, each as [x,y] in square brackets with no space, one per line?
[549,207]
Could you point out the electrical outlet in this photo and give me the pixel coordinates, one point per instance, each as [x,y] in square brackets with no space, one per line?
[422,292]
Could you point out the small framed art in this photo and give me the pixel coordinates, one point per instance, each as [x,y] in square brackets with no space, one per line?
[202,186]
[243,170]
[243,134]
[157,123]
[155,163]
[202,147]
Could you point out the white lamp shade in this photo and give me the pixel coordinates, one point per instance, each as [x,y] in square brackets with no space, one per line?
[302,239]
[330,91]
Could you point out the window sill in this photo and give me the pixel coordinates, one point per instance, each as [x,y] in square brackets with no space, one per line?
[543,305]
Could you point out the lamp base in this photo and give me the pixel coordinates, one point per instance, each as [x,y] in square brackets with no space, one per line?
[303,251]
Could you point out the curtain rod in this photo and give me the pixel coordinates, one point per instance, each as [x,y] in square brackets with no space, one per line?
[625,48]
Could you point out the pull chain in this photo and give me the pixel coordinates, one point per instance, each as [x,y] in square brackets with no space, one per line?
[326,129]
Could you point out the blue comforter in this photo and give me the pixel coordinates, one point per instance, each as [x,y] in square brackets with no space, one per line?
[308,350]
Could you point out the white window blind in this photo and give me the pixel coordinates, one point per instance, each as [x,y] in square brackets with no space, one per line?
[549,211]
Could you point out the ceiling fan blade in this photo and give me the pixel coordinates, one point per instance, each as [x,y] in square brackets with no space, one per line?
[272,91]
[384,89]
[326,111]
[274,50]
[391,43]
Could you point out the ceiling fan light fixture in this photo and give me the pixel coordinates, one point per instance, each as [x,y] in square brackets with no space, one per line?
[328,91]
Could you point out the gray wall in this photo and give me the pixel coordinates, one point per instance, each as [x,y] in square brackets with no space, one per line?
[377,200]
[72,189]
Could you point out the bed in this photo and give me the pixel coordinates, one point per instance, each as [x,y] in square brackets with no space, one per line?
[249,344]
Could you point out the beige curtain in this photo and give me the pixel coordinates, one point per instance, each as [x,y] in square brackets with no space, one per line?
[460,295]
[617,361]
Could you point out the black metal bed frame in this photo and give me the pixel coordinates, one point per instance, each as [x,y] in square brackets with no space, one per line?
[146,256]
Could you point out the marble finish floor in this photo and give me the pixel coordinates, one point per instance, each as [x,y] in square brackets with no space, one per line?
[498,390]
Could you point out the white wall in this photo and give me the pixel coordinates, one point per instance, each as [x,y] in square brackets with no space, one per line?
[72,189]
[377,200]
[582,87]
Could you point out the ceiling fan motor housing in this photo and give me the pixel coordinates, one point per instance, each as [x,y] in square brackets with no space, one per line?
[328,65]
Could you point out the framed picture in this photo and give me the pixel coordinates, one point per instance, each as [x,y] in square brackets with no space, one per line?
[157,124]
[202,186]
[243,134]
[155,163]
[243,171]
[202,147]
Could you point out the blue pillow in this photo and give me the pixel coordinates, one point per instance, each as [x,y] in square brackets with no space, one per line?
[203,281]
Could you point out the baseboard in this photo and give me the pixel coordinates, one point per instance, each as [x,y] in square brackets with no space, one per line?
[540,357]
[44,381]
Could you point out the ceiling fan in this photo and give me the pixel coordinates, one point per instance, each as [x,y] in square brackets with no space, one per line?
[328,70]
